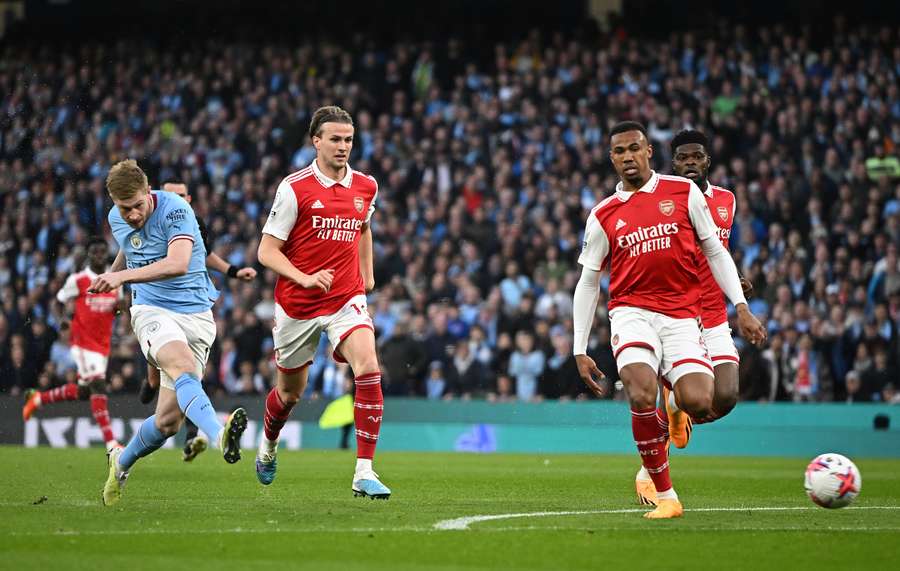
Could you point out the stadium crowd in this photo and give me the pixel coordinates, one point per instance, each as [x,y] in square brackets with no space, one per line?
[487,169]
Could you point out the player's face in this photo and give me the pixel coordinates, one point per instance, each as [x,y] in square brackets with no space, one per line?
[630,154]
[334,145]
[136,209]
[691,161]
[98,254]
[179,189]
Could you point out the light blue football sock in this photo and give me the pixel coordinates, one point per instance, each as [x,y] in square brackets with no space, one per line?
[146,440]
[196,406]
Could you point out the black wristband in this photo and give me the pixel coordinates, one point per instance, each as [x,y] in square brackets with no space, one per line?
[232,271]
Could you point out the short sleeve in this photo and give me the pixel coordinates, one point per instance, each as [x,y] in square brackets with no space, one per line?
[595,246]
[179,222]
[283,215]
[372,204]
[69,290]
[698,210]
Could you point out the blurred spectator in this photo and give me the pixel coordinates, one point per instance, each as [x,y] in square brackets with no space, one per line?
[487,169]
[526,364]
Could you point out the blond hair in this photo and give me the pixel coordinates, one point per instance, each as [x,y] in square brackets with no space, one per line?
[125,180]
[327,114]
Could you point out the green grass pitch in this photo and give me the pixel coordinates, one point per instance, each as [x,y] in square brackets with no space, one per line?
[209,515]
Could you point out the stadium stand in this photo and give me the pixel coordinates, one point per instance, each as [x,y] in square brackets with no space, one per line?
[487,167]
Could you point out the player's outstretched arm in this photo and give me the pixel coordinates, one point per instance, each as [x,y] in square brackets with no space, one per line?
[366,263]
[175,264]
[271,256]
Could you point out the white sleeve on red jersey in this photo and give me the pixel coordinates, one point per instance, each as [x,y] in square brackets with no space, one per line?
[372,204]
[283,215]
[69,289]
[584,307]
[595,247]
[698,210]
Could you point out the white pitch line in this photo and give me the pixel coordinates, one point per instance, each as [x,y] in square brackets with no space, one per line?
[463,523]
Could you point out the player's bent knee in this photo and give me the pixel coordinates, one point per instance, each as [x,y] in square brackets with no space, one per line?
[640,383]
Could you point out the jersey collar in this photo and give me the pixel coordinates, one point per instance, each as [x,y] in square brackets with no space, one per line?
[649,186]
[327,182]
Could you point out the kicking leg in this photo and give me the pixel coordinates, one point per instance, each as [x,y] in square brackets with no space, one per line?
[179,364]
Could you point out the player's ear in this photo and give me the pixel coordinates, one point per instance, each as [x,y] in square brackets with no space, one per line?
[649,150]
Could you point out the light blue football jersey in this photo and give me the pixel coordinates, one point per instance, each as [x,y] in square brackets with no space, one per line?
[172,218]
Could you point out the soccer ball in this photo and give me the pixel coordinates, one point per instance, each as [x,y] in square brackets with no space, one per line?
[832,481]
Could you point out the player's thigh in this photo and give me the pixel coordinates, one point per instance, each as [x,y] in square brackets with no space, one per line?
[352,334]
[91,365]
[155,328]
[634,338]
[296,341]
[684,350]
[720,344]
[200,332]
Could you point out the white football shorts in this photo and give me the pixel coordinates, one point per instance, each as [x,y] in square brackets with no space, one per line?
[296,340]
[91,365]
[672,347]
[155,326]
[720,344]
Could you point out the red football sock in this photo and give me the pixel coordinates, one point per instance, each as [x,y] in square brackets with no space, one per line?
[101,416]
[651,443]
[368,407]
[663,419]
[68,391]
[277,413]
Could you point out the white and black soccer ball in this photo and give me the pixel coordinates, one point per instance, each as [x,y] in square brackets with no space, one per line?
[832,481]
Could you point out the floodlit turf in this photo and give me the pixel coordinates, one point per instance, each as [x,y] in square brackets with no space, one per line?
[209,515]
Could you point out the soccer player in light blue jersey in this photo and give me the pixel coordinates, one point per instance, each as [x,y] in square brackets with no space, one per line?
[162,256]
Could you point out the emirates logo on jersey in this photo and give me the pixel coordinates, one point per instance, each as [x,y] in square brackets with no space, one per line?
[723,213]
[358,203]
[667,207]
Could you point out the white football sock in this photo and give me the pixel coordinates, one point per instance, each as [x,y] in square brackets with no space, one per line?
[363,465]
[667,495]
[643,474]
[267,448]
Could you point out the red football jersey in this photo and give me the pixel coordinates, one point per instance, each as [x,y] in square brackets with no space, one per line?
[721,204]
[92,321]
[648,238]
[320,221]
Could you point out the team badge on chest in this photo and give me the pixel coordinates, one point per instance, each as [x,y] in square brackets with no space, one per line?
[723,213]
[136,241]
[358,203]
[667,207]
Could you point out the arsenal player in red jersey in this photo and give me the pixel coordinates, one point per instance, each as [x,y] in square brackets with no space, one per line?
[318,241]
[92,322]
[647,234]
[691,160]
